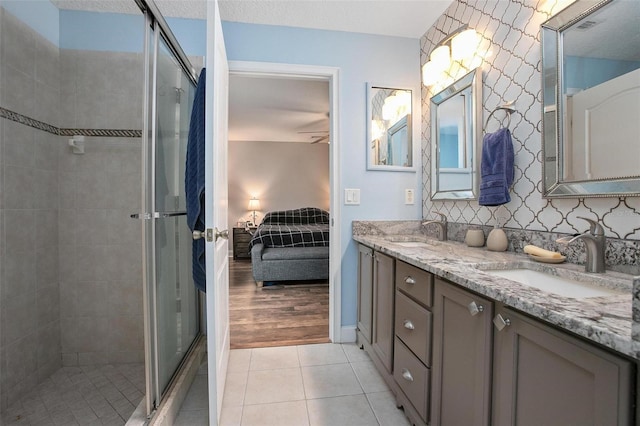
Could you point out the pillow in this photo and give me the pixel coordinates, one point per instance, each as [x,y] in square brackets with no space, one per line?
[303,216]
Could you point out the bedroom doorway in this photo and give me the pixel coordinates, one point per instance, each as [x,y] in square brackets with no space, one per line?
[269,164]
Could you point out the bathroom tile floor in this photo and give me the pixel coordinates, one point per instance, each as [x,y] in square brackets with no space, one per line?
[315,385]
[84,396]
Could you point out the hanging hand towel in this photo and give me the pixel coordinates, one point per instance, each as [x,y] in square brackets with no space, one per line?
[194,181]
[496,168]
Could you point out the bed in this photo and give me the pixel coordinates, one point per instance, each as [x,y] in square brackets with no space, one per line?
[291,245]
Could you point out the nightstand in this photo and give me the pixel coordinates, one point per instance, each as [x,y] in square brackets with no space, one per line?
[241,238]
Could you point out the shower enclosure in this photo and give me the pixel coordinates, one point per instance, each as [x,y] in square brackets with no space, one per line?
[94,115]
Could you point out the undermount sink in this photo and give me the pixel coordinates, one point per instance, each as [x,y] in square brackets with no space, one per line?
[551,283]
[414,243]
[411,240]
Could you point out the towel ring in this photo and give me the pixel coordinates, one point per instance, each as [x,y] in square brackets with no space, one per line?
[508,108]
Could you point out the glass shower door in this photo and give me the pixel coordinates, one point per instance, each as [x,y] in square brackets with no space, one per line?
[176,296]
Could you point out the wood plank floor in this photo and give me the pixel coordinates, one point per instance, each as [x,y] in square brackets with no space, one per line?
[281,315]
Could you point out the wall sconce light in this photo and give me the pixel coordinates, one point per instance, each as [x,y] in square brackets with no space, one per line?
[254,204]
[462,45]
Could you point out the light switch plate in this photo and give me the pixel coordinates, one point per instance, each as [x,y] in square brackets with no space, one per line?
[409,196]
[352,197]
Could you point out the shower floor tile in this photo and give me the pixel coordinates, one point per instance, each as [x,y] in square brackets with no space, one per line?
[88,395]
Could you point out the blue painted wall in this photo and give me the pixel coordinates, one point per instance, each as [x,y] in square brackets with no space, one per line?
[361,58]
[583,73]
[41,15]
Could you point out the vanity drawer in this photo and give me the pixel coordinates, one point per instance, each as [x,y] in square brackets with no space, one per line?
[412,377]
[413,327]
[415,282]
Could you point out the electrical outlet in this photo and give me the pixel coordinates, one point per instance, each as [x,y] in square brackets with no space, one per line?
[409,196]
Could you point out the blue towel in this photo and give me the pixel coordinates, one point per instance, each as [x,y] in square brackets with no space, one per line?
[496,168]
[194,181]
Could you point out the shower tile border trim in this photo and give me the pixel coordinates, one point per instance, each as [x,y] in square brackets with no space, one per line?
[40,125]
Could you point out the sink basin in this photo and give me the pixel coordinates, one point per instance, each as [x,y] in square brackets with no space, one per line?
[411,240]
[414,243]
[554,284]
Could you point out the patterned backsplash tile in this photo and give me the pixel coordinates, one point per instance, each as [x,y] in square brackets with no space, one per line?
[511,73]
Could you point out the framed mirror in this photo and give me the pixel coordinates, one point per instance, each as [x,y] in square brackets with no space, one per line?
[389,129]
[455,139]
[591,100]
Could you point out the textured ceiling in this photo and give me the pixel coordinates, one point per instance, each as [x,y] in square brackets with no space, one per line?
[403,18]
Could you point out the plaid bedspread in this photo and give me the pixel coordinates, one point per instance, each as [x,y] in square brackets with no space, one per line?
[281,235]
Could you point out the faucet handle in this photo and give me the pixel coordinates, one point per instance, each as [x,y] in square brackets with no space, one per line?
[595,228]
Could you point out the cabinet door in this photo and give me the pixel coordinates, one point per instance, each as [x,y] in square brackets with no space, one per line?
[546,377]
[461,369]
[365,291]
[383,302]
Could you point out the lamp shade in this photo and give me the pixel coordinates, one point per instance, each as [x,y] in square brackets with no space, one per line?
[441,58]
[254,204]
[429,74]
[465,44]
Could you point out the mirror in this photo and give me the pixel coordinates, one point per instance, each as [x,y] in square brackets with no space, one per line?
[591,100]
[455,128]
[389,130]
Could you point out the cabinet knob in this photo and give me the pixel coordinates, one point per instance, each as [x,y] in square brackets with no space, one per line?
[406,374]
[474,308]
[408,325]
[501,322]
[409,280]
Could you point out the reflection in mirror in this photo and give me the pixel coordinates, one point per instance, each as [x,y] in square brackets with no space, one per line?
[591,98]
[454,139]
[389,135]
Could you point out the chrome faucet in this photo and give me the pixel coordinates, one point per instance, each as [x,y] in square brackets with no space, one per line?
[594,241]
[442,224]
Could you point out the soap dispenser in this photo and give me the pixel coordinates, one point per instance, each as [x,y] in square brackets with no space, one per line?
[497,240]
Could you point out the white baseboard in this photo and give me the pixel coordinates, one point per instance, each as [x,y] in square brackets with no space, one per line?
[348,334]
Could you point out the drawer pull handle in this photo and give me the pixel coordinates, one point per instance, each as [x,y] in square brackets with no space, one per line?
[474,308]
[408,325]
[501,322]
[406,374]
[409,280]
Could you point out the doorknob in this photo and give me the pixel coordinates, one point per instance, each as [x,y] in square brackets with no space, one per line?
[221,234]
[198,234]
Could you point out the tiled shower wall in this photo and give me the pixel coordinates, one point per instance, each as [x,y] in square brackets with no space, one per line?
[100,245]
[70,257]
[29,291]
[512,72]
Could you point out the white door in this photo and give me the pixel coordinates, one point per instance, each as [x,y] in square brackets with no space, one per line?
[217,258]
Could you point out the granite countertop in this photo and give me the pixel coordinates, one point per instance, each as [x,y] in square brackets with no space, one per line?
[606,320]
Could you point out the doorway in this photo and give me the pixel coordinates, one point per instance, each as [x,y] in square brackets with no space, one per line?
[316,128]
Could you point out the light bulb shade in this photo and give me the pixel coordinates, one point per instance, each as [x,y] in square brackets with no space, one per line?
[464,45]
[441,58]
[429,74]
[254,204]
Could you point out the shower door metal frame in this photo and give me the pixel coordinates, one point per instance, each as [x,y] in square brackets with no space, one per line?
[155,29]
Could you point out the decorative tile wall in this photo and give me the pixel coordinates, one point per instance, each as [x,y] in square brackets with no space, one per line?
[512,72]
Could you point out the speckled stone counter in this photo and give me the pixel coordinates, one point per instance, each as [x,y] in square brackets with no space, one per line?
[606,320]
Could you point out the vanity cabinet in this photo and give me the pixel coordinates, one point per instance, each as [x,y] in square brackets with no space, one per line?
[462,355]
[383,304]
[543,376]
[376,306]
[412,353]
[365,292]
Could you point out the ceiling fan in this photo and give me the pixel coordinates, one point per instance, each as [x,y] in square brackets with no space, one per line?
[318,137]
